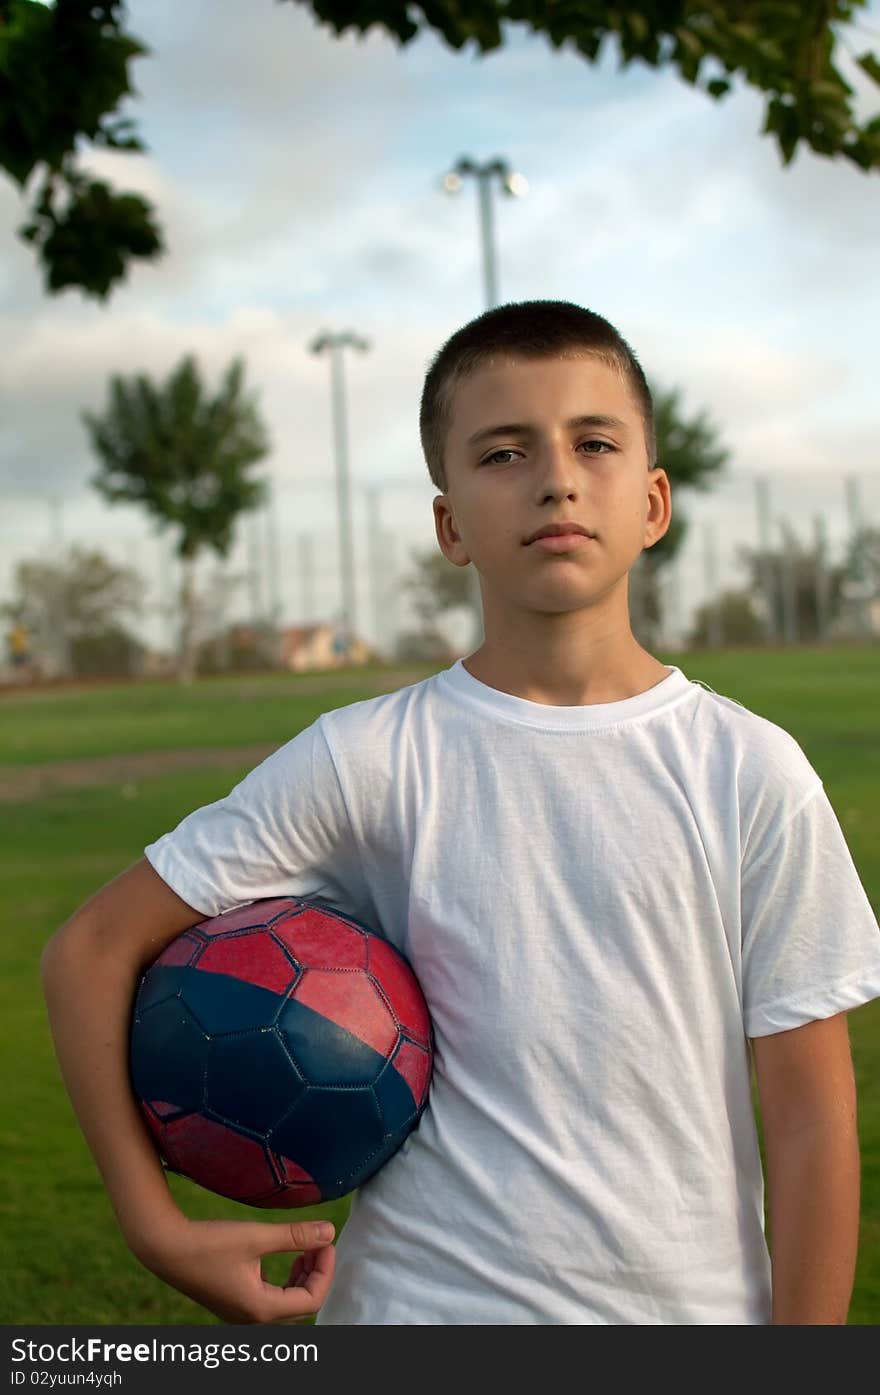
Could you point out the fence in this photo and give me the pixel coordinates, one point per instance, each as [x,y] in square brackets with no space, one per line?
[284,568]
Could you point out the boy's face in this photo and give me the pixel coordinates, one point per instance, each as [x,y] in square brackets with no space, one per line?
[545,468]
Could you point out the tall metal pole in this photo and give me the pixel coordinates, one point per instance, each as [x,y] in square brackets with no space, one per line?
[255,571]
[788,564]
[856,519]
[60,641]
[335,343]
[374,530]
[487,237]
[823,597]
[715,627]
[512,183]
[308,607]
[343,490]
[765,561]
[273,563]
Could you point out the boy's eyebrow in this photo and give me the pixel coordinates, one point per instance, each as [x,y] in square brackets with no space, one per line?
[519,428]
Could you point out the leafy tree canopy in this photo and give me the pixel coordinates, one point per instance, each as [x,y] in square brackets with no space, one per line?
[64,73]
[183,455]
[87,589]
[186,457]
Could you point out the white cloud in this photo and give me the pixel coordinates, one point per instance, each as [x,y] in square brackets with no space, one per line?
[296,176]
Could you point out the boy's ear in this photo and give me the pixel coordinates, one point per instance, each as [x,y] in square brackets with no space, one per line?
[660,506]
[448,537]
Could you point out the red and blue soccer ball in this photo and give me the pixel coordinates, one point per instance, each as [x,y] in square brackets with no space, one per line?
[281,1053]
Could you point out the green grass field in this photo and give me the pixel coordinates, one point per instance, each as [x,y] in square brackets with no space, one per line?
[63,1258]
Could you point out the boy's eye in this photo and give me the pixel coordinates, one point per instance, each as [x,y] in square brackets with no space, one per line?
[494,456]
[606,446]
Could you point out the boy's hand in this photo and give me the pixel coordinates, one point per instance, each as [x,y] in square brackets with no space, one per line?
[217,1263]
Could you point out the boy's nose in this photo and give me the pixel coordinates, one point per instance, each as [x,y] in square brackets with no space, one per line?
[557,476]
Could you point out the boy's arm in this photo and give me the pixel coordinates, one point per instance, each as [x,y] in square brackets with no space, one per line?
[807,1098]
[90,970]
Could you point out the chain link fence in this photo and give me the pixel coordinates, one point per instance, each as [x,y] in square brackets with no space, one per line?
[780,556]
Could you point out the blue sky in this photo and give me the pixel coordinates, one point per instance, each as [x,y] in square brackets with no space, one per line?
[297,178]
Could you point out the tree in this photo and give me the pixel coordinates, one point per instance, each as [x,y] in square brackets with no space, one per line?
[75,608]
[690,452]
[435,586]
[862,564]
[731,619]
[860,584]
[424,646]
[185,457]
[64,72]
[800,593]
[688,449]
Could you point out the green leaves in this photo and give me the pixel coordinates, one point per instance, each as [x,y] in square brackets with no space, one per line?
[691,452]
[870,64]
[64,71]
[783,48]
[182,454]
[456,20]
[90,241]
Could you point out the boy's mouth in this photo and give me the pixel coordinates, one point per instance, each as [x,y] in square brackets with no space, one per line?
[557,530]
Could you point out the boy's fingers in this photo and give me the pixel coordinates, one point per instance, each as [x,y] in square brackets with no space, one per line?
[300,1269]
[307,1293]
[291,1235]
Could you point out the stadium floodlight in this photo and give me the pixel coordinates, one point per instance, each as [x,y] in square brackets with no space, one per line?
[335,343]
[512,183]
[516,184]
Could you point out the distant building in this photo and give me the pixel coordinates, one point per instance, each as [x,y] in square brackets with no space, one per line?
[156,663]
[302,647]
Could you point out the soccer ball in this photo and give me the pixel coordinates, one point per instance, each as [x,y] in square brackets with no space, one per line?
[280,1053]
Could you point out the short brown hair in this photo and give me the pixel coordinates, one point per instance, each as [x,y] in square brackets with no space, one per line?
[523,329]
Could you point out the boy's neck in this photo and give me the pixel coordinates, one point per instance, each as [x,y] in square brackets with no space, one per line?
[609,671]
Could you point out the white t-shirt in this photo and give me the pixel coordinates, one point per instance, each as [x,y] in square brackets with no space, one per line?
[602,904]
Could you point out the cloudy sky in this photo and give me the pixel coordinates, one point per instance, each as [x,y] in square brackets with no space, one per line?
[297,178]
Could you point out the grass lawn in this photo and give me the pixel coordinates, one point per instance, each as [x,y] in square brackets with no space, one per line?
[113,719]
[64,1261]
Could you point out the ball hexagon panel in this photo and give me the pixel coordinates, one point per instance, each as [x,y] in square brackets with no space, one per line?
[325,1054]
[222,1003]
[181,951]
[219,1158]
[251,1080]
[333,1135]
[299,1189]
[170,1056]
[413,1064]
[352,1001]
[398,985]
[254,957]
[319,941]
[161,983]
[254,914]
[394,1097]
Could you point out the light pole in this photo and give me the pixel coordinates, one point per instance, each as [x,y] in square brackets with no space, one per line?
[515,185]
[335,343]
[512,184]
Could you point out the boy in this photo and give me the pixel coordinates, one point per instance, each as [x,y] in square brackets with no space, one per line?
[609,882]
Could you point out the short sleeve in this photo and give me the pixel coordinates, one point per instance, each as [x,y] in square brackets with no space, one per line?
[282,831]
[811,942]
